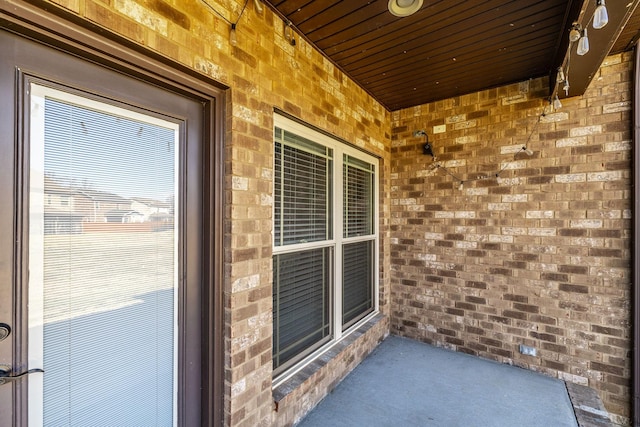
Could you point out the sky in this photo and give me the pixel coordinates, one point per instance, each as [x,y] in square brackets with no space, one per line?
[107,152]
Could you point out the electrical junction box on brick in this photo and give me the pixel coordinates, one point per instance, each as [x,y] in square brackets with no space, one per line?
[440,129]
[526,350]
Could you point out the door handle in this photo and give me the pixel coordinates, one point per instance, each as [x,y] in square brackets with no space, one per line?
[7,377]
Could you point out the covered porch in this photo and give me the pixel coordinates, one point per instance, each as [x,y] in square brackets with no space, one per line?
[410,383]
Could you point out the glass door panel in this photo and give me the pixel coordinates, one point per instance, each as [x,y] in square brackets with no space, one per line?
[103,263]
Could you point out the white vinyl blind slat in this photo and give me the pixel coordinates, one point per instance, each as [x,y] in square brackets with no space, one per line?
[357,258]
[357,278]
[109,270]
[301,302]
[302,191]
[358,197]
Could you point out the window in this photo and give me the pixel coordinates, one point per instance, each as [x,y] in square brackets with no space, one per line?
[325,241]
[357,257]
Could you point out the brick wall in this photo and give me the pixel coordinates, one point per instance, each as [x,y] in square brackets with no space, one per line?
[263,71]
[300,394]
[539,255]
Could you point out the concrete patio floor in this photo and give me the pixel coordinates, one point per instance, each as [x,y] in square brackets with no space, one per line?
[409,383]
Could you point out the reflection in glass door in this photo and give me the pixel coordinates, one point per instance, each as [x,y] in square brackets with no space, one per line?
[103,263]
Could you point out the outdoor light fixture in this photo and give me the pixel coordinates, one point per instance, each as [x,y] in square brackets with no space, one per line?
[600,16]
[583,43]
[404,8]
[527,151]
[287,30]
[574,33]
[258,7]
[560,76]
[288,33]
[426,148]
[556,103]
[233,37]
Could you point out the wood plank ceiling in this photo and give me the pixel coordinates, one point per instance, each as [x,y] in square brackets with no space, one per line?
[447,48]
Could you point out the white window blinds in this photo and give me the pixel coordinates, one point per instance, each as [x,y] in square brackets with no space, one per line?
[301,303]
[358,197]
[302,190]
[357,279]
[103,264]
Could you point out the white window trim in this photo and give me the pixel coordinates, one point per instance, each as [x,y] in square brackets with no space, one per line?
[339,150]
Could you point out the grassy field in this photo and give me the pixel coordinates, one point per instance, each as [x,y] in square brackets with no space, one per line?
[97,272]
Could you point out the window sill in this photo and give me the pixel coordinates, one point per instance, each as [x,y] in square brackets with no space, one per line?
[290,384]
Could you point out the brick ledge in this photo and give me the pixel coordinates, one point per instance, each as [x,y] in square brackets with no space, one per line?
[587,406]
[291,384]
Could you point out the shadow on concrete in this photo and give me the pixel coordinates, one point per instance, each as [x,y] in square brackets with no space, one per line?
[112,368]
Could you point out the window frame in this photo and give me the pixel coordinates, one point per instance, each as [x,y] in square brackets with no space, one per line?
[336,241]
